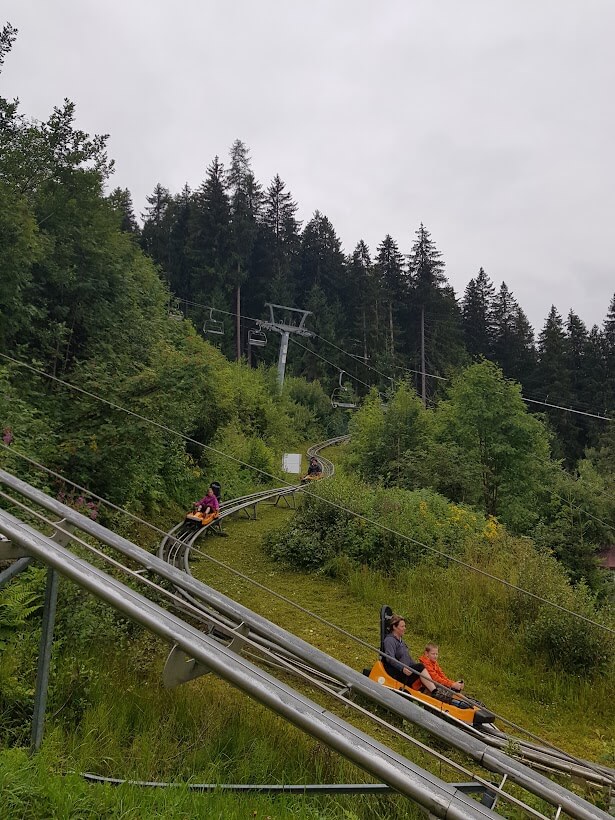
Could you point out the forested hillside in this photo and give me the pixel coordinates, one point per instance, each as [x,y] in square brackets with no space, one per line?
[82,304]
[479,474]
[235,236]
[90,297]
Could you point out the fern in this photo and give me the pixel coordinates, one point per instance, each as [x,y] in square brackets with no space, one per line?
[18,601]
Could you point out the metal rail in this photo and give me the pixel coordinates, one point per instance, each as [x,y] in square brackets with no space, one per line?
[177,543]
[477,749]
[551,760]
[437,797]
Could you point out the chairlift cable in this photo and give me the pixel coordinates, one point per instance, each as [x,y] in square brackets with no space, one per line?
[407,369]
[333,504]
[339,507]
[360,360]
[337,367]
[184,604]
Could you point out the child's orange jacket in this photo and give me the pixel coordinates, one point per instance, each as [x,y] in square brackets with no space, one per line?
[434,669]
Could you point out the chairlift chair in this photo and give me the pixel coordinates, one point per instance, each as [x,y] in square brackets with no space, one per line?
[257,338]
[341,396]
[174,311]
[213,326]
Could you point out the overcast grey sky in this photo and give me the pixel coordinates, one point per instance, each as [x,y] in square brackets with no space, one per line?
[491,122]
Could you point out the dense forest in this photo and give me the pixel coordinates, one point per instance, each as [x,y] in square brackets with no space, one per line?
[234,237]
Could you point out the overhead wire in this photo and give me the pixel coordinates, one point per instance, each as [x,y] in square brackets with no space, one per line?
[332,364]
[568,409]
[367,520]
[569,502]
[337,367]
[185,605]
[449,557]
[361,361]
[358,359]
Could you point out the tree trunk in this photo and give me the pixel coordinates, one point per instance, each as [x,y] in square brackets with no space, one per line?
[423,384]
[238,325]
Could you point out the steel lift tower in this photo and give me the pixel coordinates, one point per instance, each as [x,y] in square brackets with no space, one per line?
[285,329]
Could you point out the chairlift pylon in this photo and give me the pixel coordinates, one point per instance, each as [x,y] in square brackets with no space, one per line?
[257,338]
[213,326]
[341,396]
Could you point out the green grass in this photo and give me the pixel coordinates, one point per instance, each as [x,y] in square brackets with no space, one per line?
[32,790]
[128,726]
[574,713]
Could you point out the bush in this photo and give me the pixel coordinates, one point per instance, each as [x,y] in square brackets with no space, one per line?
[308,406]
[234,474]
[299,548]
[415,525]
[570,644]
[422,529]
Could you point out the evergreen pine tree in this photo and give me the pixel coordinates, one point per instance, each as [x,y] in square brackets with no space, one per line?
[553,381]
[389,270]
[121,201]
[432,306]
[245,200]
[276,249]
[210,239]
[322,262]
[363,286]
[523,358]
[608,337]
[155,234]
[513,338]
[477,310]
[426,265]
[552,350]
[180,265]
[576,359]
[599,387]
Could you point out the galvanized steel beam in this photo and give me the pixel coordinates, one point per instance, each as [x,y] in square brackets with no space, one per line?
[492,759]
[437,797]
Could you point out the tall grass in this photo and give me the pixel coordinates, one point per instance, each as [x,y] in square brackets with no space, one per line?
[480,640]
[203,732]
[120,721]
[32,790]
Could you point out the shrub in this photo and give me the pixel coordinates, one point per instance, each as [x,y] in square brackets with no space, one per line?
[569,643]
[422,530]
[415,525]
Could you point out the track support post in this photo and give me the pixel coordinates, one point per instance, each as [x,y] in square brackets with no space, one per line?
[44,660]
[61,536]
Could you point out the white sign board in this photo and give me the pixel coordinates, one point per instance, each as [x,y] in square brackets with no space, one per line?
[291,462]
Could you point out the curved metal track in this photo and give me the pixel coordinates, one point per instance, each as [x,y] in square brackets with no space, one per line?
[540,757]
[230,629]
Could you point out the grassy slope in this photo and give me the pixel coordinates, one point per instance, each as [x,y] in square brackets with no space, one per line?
[207,732]
[355,609]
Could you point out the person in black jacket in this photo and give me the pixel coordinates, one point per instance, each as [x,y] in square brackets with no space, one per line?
[314,470]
